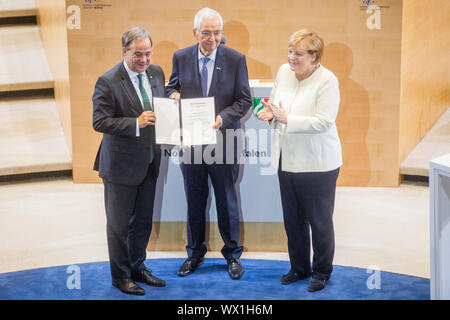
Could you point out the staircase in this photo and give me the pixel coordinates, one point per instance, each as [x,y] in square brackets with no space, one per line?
[32,141]
[436,143]
[17,8]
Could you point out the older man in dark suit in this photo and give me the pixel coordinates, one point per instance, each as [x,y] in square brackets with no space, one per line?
[128,158]
[211,69]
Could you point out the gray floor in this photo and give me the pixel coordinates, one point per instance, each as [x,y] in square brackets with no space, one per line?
[56,222]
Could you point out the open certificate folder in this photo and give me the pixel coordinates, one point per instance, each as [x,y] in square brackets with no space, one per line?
[189,122]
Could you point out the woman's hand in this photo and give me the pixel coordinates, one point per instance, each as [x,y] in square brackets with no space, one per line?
[266,113]
[279,113]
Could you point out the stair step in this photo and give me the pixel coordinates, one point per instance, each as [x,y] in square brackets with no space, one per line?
[436,143]
[32,139]
[17,8]
[23,63]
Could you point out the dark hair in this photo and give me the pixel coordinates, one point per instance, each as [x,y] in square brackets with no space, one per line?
[134,34]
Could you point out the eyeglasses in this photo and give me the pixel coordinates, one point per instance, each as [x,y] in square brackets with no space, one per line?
[208,34]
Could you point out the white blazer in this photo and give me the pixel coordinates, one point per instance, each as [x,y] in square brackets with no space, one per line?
[309,141]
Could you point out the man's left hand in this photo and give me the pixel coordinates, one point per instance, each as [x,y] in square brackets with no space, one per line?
[218,123]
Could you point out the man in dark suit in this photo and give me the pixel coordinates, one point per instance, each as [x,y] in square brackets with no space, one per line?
[128,158]
[211,69]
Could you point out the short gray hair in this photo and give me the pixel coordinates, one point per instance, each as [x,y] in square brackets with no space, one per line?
[206,13]
[135,33]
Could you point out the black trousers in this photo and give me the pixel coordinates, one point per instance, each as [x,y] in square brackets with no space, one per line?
[223,179]
[307,199]
[129,217]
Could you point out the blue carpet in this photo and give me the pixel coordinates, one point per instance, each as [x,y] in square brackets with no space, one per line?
[261,281]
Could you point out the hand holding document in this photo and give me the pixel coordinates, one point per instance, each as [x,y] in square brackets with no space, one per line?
[196,125]
[147,118]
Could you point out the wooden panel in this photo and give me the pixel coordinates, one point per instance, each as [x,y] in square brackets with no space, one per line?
[51,19]
[254,236]
[366,61]
[425,72]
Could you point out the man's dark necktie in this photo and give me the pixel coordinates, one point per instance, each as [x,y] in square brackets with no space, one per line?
[147,107]
[204,77]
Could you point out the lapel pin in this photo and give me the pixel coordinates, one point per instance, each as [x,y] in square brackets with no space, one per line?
[219,68]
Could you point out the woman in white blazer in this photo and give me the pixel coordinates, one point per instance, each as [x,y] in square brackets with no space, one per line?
[306,149]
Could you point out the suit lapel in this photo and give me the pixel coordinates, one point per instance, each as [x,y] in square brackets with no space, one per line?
[217,71]
[155,88]
[195,70]
[129,90]
[153,83]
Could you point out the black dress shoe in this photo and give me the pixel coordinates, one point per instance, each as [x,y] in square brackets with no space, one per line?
[316,284]
[128,286]
[235,269]
[188,267]
[146,276]
[292,277]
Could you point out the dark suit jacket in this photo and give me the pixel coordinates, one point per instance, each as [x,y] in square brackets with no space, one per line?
[122,157]
[229,84]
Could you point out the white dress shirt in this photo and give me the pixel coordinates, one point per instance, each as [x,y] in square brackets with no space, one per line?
[146,83]
[209,65]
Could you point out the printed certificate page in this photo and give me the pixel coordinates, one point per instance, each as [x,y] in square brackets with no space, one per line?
[167,125]
[198,117]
